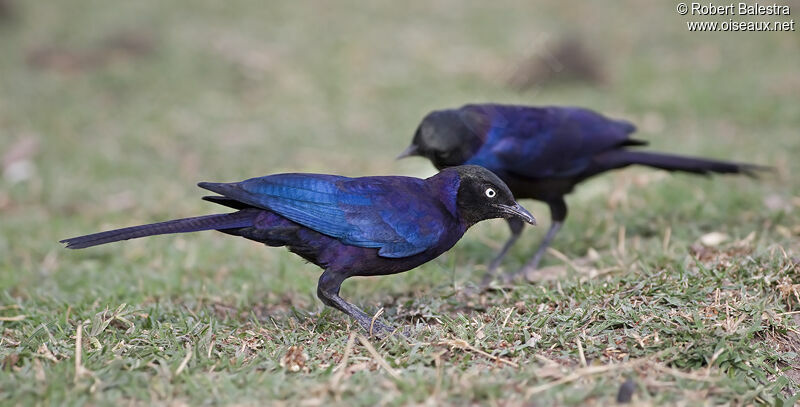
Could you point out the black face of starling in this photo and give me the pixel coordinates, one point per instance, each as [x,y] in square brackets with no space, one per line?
[482,195]
[445,138]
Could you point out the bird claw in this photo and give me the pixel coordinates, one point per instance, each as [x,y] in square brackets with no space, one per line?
[380,330]
[488,278]
[492,281]
[494,265]
[474,290]
[491,273]
[525,272]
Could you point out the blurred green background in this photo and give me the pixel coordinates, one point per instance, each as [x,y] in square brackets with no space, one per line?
[111,111]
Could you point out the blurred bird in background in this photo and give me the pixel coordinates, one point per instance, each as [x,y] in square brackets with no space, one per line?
[542,153]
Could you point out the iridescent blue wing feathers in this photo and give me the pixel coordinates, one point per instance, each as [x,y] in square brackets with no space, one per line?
[367,212]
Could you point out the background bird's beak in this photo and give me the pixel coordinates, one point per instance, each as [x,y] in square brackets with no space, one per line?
[411,150]
[518,211]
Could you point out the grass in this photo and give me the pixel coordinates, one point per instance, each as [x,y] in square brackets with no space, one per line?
[119,135]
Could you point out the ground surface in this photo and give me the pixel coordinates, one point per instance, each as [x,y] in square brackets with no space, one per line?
[112,111]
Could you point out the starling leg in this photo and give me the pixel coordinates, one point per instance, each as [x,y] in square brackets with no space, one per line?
[533,263]
[328,291]
[516,226]
[558,212]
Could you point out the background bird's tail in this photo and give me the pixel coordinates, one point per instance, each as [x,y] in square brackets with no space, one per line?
[238,219]
[669,162]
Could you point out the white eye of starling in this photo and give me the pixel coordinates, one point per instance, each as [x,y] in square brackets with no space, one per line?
[490,192]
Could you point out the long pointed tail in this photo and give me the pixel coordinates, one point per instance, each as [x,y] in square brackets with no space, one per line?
[238,219]
[669,162]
